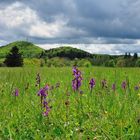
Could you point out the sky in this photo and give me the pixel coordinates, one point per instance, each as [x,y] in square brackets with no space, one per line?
[96,26]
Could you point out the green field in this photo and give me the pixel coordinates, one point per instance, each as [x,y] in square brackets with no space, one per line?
[102,114]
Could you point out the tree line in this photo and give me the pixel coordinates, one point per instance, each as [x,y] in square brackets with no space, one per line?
[72,56]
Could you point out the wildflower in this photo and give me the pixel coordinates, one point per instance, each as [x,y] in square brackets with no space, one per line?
[45,103]
[46,107]
[136,87]
[113,86]
[47,87]
[74,70]
[38,79]
[67,103]
[124,85]
[92,83]
[51,87]
[47,110]
[104,83]
[81,92]
[16,92]
[43,92]
[57,85]
[77,81]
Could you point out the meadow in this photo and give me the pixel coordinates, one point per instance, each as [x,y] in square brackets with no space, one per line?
[103,113]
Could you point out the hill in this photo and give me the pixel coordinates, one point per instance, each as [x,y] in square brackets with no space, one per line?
[28,49]
[67,52]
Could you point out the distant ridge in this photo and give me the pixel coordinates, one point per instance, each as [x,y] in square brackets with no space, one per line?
[28,49]
[66,51]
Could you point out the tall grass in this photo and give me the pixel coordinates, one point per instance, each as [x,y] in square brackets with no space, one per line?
[100,114]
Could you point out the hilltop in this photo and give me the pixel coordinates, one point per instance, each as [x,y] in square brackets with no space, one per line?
[28,49]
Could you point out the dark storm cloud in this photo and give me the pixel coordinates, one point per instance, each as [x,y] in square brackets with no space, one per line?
[117,18]
[71,21]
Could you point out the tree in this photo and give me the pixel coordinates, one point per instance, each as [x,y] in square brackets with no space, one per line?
[14,58]
[135,56]
[125,56]
[129,55]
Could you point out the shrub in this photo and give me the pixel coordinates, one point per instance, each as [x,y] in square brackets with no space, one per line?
[84,63]
[110,63]
[121,63]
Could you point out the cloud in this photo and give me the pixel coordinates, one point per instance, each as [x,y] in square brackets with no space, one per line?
[103,23]
[21,19]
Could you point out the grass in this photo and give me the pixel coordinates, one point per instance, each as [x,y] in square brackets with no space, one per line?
[100,114]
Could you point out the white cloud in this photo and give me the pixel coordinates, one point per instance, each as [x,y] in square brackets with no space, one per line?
[19,17]
[48,30]
[2,42]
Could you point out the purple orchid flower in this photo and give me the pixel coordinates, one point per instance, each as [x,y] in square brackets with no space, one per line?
[16,93]
[43,93]
[113,86]
[124,85]
[77,81]
[92,83]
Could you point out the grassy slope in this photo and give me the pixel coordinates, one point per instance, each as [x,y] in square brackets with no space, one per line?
[28,49]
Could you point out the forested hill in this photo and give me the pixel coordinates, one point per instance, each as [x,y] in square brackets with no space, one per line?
[65,51]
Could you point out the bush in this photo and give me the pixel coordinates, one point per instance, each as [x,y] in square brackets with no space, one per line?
[121,63]
[56,62]
[42,62]
[84,63]
[32,62]
[110,63]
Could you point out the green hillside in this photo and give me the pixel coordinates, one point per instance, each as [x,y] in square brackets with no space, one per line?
[28,49]
[68,52]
